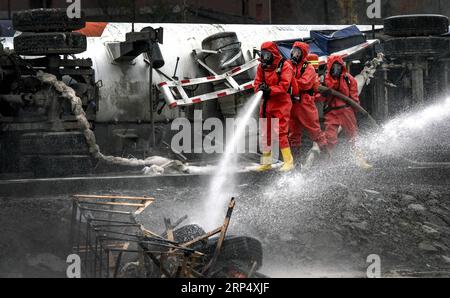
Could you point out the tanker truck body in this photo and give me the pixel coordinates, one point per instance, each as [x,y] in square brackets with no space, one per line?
[112,77]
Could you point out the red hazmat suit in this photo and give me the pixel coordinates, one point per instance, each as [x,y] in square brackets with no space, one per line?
[279,103]
[304,114]
[337,112]
[93,29]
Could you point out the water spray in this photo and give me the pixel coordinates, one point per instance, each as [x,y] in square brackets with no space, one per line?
[395,132]
[222,184]
[418,120]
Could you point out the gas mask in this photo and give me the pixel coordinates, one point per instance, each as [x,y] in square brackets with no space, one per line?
[336,70]
[296,55]
[266,59]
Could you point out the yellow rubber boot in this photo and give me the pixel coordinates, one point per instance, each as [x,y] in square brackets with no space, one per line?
[361,161]
[266,162]
[288,160]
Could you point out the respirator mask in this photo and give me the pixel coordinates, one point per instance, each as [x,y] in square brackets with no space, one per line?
[266,59]
[296,55]
[336,70]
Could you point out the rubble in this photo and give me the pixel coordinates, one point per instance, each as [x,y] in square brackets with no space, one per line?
[417,207]
[392,231]
[425,246]
[111,242]
[305,232]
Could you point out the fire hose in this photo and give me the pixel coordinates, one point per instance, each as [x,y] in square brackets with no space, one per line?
[374,123]
[350,102]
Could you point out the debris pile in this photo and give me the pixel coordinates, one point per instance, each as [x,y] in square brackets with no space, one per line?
[112,243]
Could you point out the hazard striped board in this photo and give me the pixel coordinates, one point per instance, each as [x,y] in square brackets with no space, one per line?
[169,88]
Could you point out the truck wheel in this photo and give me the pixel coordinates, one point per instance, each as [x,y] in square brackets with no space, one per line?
[245,249]
[40,44]
[188,233]
[230,46]
[228,43]
[416,25]
[416,46]
[45,20]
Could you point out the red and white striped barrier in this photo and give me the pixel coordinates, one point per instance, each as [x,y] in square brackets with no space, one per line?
[166,87]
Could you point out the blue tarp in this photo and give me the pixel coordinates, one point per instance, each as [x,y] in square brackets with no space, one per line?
[324,43]
[6,28]
[338,40]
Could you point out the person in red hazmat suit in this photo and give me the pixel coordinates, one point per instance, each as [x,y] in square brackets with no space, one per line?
[274,78]
[336,112]
[313,60]
[304,113]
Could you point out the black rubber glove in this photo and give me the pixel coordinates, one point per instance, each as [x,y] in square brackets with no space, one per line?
[326,93]
[265,89]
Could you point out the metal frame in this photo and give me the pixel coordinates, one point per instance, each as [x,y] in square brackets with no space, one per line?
[105,233]
[173,98]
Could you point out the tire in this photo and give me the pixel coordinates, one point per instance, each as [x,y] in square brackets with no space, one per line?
[55,143]
[229,43]
[245,249]
[416,25]
[45,20]
[219,40]
[416,46]
[188,233]
[41,44]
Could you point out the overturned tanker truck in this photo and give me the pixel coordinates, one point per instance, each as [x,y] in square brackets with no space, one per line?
[76,102]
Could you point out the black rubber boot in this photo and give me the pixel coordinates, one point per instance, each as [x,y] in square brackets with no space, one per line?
[297,154]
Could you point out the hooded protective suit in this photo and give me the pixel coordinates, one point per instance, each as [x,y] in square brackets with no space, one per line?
[278,105]
[304,114]
[338,113]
